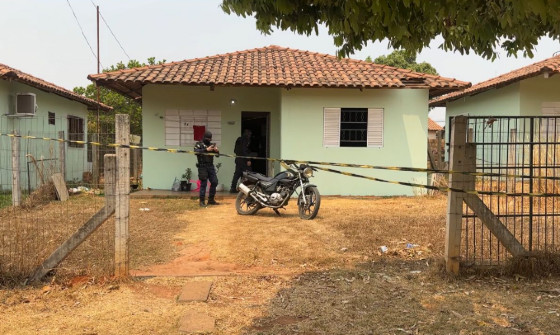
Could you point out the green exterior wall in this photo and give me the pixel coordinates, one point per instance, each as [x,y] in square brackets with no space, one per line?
[496,102]
[76,158]
[296,132]
[405,137]
[160,168]
[535,91]
[523,98]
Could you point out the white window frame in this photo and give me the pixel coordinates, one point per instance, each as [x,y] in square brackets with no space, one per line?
[550,109]
[331,127]
[179,124]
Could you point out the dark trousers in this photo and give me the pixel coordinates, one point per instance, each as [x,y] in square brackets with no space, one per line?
[205,173]
[240,166]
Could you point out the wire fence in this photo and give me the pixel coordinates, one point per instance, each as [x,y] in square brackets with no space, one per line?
[30,232]
[513,152]
[526,147]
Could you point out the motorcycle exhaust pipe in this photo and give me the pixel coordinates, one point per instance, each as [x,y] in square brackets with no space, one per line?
[244,189]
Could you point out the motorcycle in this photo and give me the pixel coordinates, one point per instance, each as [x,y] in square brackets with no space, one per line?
[257,191]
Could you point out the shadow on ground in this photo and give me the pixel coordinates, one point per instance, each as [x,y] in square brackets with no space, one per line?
[408,297]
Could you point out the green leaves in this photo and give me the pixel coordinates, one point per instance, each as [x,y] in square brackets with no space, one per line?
[479,26]
[120,103]
[405,60]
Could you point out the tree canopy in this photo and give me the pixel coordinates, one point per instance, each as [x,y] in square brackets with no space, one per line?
[404,60]
[479,26]
[120,103]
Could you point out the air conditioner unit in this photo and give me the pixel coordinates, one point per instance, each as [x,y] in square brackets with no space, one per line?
[26,104]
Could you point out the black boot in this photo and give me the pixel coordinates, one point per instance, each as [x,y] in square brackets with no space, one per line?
[201,202]
[211,201]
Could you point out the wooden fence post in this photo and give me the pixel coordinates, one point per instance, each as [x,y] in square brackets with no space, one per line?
[95,161]
[439,151]
[16,184]
[62,154]
[122,209]
[455,199]
[110,179]
[135,157]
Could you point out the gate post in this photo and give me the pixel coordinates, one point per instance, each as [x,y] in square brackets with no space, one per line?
[457,158]
[122,209]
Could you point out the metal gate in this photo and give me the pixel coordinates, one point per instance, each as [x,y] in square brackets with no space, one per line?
[519,162]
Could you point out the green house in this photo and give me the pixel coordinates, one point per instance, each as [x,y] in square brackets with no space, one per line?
[528,91]
[31,106]
[300,105]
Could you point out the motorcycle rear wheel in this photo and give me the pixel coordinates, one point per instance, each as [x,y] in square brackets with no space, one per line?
[309,210]
[245,204]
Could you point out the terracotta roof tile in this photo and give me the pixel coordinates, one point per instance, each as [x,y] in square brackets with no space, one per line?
[432,125]
[274,66]
[10,73]
[549,65]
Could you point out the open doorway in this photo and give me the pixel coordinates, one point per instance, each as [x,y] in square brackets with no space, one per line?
[259,124]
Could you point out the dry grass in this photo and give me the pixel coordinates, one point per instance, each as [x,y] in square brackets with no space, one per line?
[285,276]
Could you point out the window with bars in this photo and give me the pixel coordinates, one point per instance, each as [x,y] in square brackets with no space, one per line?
[353,127]
[75,131]
[51,118]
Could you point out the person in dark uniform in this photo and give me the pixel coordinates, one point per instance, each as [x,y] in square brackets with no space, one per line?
[241,164]
[206,169]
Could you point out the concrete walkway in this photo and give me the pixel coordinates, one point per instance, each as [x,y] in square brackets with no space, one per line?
[194,322]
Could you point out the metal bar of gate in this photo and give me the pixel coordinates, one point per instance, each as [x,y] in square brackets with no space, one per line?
[531,149]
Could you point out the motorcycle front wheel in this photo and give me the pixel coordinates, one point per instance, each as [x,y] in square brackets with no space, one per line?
[310,208]
[245,204]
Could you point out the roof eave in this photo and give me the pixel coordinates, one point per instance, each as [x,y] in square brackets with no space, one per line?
[122,87]
[12,75]
[442,103]
[133,88]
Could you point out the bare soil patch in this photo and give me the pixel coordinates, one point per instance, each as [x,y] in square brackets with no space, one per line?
[283,275]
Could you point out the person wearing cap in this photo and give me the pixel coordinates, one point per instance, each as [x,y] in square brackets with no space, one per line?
[204,152]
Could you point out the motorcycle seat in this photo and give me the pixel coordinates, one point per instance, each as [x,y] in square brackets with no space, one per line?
[262,177]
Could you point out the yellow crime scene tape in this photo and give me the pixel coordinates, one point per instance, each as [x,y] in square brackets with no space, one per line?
[438,188]
[363,166]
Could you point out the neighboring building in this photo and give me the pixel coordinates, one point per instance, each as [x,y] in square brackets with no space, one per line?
[32,106]
[299,105]
[529,91]
[433,128]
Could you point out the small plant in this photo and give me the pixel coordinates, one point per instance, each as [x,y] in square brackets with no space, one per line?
[187,175]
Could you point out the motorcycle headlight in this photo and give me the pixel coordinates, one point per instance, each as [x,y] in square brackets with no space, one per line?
[308,172]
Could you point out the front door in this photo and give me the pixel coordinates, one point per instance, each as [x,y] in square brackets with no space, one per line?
[259,124]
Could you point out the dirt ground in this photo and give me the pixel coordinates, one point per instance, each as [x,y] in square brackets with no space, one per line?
[283,275]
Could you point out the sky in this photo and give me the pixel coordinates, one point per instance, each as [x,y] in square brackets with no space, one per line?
[47,39]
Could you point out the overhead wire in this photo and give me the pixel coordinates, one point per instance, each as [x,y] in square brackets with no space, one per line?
[81,29]
[111,31]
